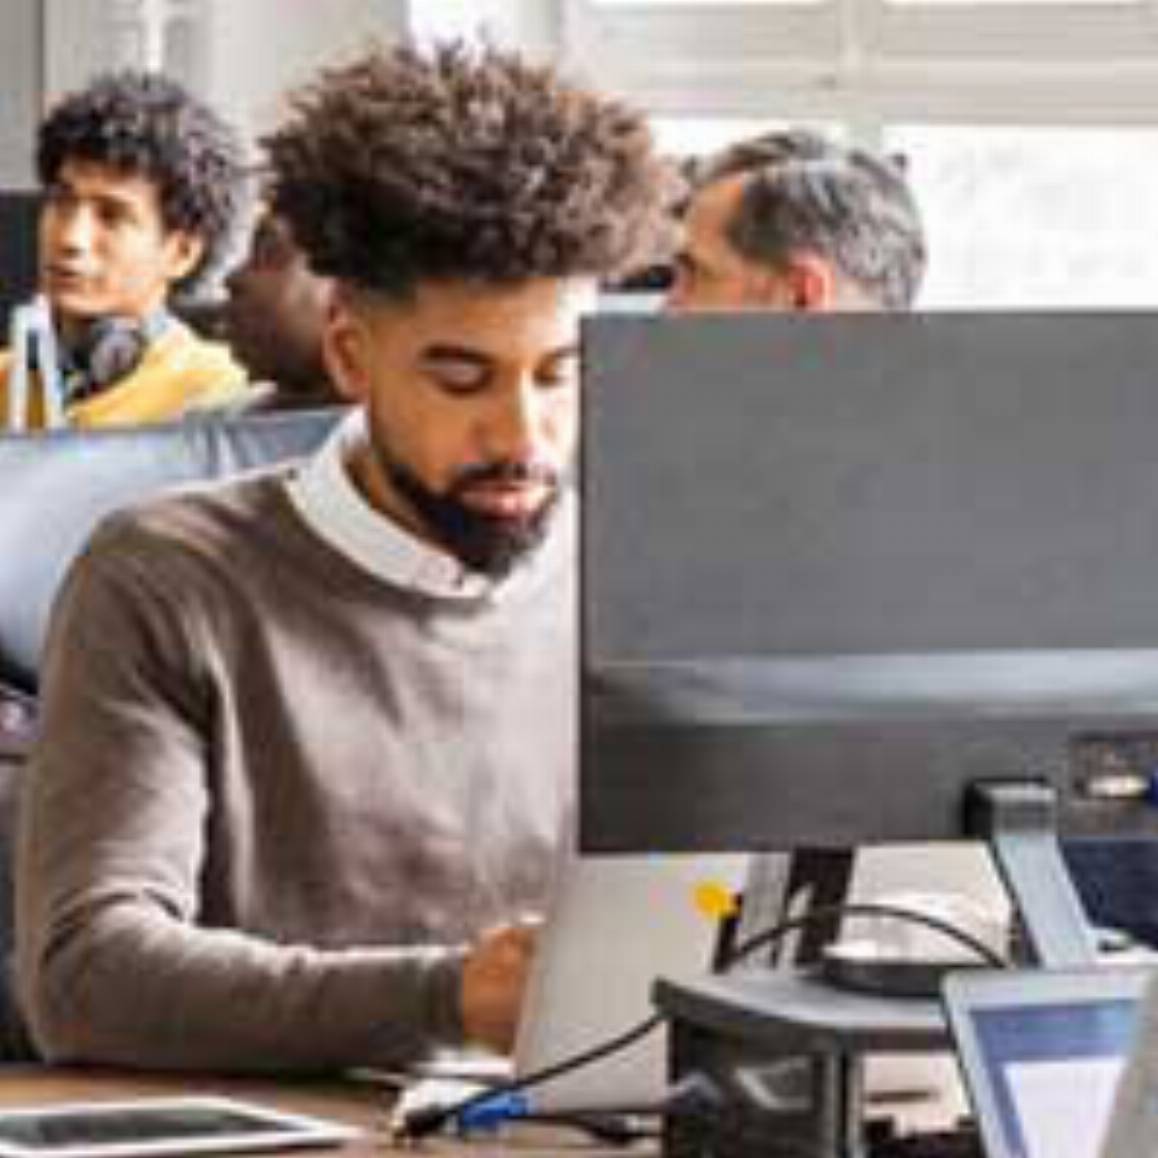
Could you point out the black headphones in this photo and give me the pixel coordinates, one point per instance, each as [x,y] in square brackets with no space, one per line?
[108,350]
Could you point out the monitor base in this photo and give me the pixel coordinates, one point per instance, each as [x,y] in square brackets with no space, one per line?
[845,965]
[783,1051]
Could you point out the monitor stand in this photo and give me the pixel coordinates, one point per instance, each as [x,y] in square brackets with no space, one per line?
[784,1049]
[1018,820]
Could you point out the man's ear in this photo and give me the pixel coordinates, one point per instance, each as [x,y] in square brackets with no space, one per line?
[811,283]
[185,253]
[803,281]
[344,351]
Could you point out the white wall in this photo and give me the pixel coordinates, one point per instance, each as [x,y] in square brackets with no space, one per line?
[83,37]
[259,48]
[20,67]
[241,54]
[534,26]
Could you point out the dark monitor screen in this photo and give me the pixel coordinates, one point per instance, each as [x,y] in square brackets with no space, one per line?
[19,211]
[836,568]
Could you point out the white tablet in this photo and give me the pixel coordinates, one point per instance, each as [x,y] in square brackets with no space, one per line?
[163,1125]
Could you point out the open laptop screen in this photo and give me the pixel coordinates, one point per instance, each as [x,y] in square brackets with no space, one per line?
[615,925]
[1041,1055]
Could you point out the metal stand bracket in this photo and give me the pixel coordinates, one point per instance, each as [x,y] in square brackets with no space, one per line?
[1018,820]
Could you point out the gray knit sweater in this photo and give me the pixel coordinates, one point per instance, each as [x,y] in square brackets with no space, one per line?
[275,794]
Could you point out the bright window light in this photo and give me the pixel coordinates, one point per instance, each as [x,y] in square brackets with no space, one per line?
[1049,217]
[699,136]
[703,3]
[1009,3]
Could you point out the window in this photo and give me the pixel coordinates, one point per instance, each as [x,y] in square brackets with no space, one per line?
[773,3]
[1020,118]
[698,136]
[693,3]
[732,50]
[1009,3]
[1025,217]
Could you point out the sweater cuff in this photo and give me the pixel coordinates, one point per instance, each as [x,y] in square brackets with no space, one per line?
[444,999]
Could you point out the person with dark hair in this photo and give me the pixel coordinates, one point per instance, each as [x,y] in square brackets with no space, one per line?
[143,191]
[793,221]
[327,761]
[275,319]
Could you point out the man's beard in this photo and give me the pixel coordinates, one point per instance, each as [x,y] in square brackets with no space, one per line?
[485,543]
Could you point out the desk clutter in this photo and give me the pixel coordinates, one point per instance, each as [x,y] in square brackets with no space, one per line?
[882,1141]
[144,1127]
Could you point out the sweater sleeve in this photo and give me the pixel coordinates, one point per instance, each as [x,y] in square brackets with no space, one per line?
[113,966]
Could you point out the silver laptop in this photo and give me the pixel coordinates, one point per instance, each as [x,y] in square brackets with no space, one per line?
[1043,1054]
[614,925]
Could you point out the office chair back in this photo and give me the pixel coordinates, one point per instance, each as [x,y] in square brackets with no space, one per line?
[55,486]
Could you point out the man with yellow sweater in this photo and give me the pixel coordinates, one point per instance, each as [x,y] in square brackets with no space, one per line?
[143,190]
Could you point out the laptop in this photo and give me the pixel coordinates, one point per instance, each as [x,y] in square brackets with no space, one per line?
[615,924]
[1046,1060]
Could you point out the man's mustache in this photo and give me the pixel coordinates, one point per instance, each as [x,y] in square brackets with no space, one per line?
[537,473]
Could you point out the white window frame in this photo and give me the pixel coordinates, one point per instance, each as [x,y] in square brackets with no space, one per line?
[869,63]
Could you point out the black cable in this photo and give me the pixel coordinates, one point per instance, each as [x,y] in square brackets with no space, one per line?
[430,1119]
[777,932]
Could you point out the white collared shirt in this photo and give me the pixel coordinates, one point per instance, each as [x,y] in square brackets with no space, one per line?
[327,498]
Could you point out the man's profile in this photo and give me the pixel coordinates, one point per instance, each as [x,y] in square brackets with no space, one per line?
[143,188]
[275,318]
[308,738]
[791,220]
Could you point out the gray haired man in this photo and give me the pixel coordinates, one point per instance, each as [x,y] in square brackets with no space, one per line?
[793,221]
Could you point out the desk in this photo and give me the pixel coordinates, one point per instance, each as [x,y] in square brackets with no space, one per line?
[360,1104]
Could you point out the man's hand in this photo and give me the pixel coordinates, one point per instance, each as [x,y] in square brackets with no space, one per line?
[493,980]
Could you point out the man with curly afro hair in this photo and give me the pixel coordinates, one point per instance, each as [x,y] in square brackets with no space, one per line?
[326,763]
[143,190]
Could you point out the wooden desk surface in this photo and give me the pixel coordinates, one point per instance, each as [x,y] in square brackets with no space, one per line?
[359,1104]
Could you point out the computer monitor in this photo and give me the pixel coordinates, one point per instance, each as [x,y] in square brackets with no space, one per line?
[837,569]
[19,210]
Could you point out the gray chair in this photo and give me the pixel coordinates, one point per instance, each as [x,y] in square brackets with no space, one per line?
[54,488]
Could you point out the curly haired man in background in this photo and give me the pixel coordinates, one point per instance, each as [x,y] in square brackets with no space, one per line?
[291,819]
[143,192]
